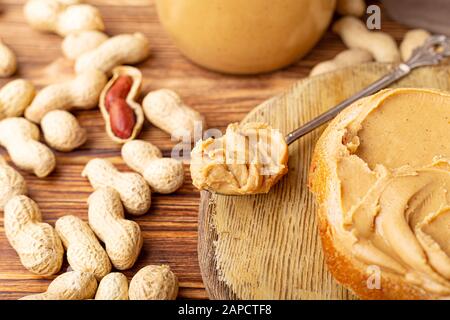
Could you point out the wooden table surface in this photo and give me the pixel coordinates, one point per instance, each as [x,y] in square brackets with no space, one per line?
[170,228]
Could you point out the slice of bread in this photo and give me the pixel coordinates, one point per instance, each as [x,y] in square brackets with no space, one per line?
[346,268]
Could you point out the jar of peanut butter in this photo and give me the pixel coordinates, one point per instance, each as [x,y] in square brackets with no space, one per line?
[245,36]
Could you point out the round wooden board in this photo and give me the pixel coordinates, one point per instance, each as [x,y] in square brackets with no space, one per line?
[267,246]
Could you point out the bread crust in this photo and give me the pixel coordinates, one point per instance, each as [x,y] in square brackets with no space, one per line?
[347,270]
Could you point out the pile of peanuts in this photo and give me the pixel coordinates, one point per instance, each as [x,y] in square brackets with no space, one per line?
[103,78]
[364,45]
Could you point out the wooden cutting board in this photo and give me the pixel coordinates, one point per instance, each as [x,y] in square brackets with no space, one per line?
[267,246]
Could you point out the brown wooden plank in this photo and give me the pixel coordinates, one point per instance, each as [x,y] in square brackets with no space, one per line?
[170,229]
[267,246]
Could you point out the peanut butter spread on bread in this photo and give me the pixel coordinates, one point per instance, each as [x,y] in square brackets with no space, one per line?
[248,159]
[391,185]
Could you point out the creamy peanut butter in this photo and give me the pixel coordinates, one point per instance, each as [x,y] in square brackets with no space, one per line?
[393,169]
[248,159]
[245,36]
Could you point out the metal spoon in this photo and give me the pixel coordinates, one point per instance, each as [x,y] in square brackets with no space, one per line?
[432,52]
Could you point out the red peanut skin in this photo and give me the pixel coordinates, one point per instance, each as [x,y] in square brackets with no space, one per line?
[122,119]
[121,116]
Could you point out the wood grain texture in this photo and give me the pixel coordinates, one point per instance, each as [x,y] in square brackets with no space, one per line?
[170,229]
[267,246]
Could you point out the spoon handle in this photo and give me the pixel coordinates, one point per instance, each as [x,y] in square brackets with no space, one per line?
[426,55]
[381,83]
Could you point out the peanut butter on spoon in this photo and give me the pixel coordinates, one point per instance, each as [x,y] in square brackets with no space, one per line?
[248,159]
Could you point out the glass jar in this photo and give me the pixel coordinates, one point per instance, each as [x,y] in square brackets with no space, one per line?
[245,36]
